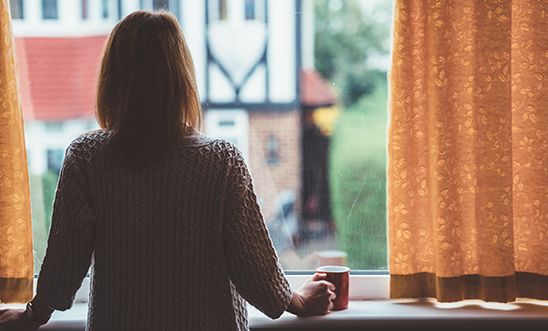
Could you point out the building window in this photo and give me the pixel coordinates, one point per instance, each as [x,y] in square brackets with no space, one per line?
[250,9]
[104,9]
[160,4]
[223,10]
[272,150]
[55,159]
[218,10]
[16,9]
[255,10]
[85,9]
[50,10]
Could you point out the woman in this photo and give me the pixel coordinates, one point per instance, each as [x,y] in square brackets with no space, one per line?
[167,217]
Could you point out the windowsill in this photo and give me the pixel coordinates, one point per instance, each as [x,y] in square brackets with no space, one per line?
[527,315]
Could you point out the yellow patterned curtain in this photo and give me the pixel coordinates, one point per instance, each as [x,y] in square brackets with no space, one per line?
[468,150]
[16,264]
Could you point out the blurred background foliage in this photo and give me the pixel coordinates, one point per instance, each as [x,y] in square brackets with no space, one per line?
[352,45]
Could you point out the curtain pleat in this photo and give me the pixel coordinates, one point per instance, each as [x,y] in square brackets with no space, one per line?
[468,157]
[16,259]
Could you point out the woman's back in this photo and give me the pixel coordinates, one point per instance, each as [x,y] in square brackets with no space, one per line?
[168,239]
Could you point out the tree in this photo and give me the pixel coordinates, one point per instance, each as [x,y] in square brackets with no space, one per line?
[345,38]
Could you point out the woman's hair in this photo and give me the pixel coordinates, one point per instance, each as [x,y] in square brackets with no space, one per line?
[146,92]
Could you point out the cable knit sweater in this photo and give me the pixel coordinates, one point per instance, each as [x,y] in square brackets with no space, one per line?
[177,246]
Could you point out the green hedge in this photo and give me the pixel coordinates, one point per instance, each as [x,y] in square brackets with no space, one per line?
[49,181]
[358,182]
[42,190]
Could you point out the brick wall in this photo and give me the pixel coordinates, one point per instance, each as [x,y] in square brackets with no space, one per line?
[271,179]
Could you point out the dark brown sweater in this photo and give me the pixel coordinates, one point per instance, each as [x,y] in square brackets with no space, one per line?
[177,246]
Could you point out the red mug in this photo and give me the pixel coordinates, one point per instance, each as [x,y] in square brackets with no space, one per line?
[338,276]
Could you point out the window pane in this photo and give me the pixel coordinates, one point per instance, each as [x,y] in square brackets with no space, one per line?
[105,9]
[160,4]
[223,10]
[309,120]
[55,159]
[16,9]
[343,213]
[85,9]
[49,9]
[250,9]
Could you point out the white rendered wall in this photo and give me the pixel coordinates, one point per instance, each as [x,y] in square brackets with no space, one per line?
[281,56]
[282,52]
[69,22]
[193,23]
[38,140]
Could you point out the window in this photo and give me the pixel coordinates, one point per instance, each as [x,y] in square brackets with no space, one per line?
[255,10]
[85,9]
[272,150]
[50,10]
[55,159]
[318,159]
[222,10]
[160,4]
[250,9]
[165,5]
[104,9]
[16,9]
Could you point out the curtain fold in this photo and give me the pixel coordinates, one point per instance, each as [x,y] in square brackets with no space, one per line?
[16,259]
[468,150]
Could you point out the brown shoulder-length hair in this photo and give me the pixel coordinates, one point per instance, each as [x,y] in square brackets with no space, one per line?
[146,90]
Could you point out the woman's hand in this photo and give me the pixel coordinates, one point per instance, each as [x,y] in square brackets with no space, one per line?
[16,320]
[315,297]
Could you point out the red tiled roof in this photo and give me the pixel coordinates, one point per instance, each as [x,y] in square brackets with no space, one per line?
[57,76]
[315,90]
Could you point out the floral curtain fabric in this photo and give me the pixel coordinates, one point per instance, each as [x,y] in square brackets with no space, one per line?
[16,260]
[468,150]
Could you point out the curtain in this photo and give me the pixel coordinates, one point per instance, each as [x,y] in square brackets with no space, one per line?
[16,262]
[468,150]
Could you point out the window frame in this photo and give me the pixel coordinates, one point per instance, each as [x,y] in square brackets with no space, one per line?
[364,285]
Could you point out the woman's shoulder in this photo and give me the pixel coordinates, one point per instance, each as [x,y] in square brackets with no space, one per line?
[217,149]
[87,144]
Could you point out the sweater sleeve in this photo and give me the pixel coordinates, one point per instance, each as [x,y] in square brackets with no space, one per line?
[71,238]
[252,263]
